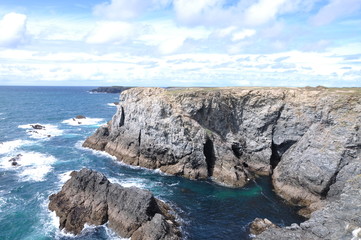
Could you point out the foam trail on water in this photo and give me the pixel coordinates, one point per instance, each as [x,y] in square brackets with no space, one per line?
[47,131]
[6,147]
[129,182]
[31,166]
[63,177]
[79,144]
[83,121]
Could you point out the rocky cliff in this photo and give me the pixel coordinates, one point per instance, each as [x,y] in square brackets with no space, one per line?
[88,197]
[309,139]
[340,219]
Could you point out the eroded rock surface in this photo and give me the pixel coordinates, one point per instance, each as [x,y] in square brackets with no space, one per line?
[309,138]
[340,219]
[88,197]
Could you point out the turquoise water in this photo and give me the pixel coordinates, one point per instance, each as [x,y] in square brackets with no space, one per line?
[206,210]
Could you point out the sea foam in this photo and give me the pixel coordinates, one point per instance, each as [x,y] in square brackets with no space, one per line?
[83,121]
[32,166]
[47,131]
[7,147]
[98,153]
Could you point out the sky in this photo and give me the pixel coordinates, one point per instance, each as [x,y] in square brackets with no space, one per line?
[180,42]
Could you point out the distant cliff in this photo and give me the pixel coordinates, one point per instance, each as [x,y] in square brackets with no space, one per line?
[309,139]
[113,89]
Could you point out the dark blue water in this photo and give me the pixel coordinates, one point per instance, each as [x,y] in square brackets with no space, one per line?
[206,210]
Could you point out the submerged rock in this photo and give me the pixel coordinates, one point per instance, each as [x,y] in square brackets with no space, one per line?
[37,126]
[80,117]
[88,197]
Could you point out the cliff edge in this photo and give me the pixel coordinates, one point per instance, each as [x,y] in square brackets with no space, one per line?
[309,139]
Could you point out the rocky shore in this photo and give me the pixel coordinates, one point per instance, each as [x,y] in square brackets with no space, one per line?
[88,197]
[307,138]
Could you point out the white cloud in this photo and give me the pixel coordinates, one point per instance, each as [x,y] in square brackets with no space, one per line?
[112,32]
[12,30]
[171,45]
[245,33]
[190,11]
[263,11]
[127,9]
[334,10]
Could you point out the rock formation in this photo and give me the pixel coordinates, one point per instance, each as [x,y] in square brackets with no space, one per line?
[88,197]
[340,219]
[309,139]
[260,225]
[113,89]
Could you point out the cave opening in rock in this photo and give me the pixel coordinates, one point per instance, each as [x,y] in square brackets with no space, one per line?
[122,116]
[208,150]
[275,157]
[236,148]
[278,151]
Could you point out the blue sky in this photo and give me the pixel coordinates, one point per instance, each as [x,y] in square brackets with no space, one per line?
[181,42]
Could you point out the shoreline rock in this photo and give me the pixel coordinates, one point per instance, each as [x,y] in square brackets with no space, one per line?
[338,219]
[89,197]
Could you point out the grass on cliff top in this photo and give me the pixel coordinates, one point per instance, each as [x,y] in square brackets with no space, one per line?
[182,90]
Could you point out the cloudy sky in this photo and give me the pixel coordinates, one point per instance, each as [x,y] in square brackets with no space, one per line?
[180,42]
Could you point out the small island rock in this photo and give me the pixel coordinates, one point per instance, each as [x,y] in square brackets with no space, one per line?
[89,197]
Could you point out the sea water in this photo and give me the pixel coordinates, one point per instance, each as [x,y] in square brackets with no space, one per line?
[204,209]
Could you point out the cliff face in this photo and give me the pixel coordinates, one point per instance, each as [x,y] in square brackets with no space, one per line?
[308,138]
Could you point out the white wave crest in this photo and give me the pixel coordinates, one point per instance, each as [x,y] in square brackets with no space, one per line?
[31,166]
[6,147]
[79,144]
[83,121]
[112,104]
[63,177]
[129,182]
[47,130]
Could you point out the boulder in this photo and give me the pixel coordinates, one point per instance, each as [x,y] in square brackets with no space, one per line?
[89,197]
[259,225]
[38,126]
[80,117]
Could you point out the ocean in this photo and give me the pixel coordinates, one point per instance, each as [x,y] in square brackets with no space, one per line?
[204,209]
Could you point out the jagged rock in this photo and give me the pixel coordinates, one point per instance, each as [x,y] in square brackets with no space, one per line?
[14,160]
[309,138]
[339,219]
[38,126]
[80,117]
[88,197]
[259,225]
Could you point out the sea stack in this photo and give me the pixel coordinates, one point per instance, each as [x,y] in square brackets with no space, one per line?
[89,197]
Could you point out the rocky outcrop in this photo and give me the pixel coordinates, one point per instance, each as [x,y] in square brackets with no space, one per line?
[260,225]
[88,197]
[339,219]
[309,138]
[113,89]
